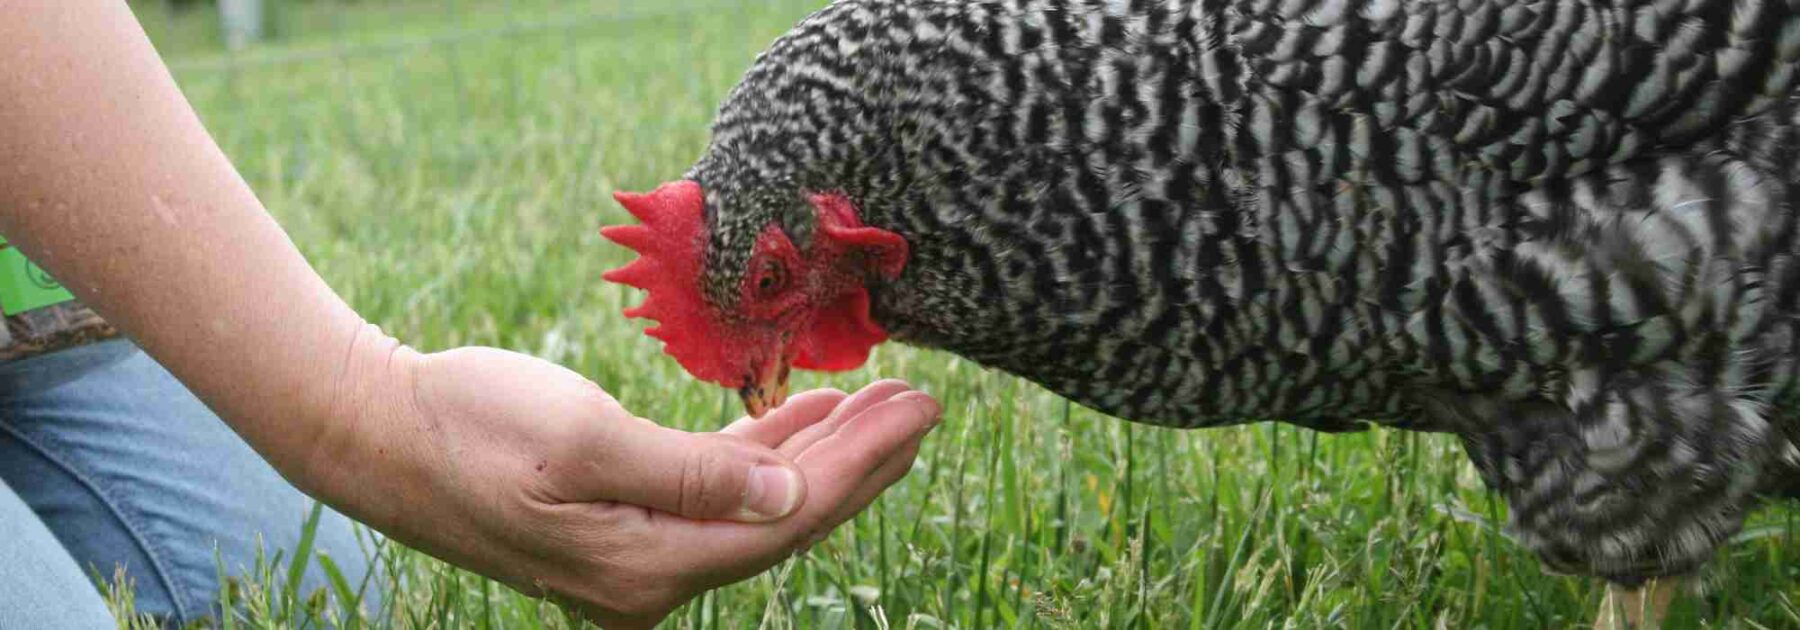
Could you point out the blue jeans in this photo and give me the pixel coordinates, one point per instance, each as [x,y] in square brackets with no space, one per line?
[107,463]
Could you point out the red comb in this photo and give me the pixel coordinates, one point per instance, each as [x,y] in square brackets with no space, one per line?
[669,241]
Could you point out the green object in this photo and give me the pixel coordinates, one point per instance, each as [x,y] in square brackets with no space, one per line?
[25,286]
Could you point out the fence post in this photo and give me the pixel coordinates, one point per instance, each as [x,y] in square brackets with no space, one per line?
[242,21]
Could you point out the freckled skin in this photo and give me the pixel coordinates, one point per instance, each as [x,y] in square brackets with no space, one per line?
[1562,231]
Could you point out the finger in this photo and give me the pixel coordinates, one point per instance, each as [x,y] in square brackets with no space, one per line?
[695,475]
[902,424]
[862,400]
[835,467]
[843,463]
[891,472]
[800,412]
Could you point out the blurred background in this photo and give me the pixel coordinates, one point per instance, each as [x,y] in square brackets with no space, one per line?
[446,164]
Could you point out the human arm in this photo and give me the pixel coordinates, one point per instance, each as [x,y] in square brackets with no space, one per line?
[499,462]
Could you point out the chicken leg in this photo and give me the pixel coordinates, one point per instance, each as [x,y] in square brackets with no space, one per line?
[1641,608]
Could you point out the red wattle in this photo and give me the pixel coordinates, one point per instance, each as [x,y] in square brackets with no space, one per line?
[841,336]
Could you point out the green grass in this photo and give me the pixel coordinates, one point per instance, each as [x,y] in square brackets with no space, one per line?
[446,166]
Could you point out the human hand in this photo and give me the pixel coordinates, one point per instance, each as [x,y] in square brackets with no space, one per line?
[528,473]
[501,463]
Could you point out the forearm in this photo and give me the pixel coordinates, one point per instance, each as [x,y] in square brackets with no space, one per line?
[109,181]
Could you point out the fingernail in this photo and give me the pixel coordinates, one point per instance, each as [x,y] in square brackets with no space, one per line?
[933,411]
[772,492]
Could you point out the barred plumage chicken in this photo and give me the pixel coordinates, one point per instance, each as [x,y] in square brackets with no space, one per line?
[1561,230]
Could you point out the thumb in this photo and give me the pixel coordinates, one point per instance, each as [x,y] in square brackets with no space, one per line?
[709,476]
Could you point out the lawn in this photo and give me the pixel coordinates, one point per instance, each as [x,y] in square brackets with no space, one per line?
[446,166]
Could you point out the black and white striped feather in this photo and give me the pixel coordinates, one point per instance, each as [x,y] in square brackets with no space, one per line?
[1562,230]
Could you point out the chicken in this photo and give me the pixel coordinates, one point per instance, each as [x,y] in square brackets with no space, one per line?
[1563,231]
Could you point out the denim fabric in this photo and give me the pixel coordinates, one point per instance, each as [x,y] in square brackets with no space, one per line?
[129,470]
[40,585]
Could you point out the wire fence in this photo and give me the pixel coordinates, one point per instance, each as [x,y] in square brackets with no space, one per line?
[310,52]
[223,49]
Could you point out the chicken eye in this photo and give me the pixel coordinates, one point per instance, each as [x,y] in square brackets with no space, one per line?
[771,278]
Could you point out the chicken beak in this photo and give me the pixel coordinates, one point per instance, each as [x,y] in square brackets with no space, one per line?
[767,390]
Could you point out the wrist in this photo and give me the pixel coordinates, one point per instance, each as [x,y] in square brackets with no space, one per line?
[355,458]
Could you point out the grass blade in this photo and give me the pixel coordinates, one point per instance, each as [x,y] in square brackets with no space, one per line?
[303,552]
